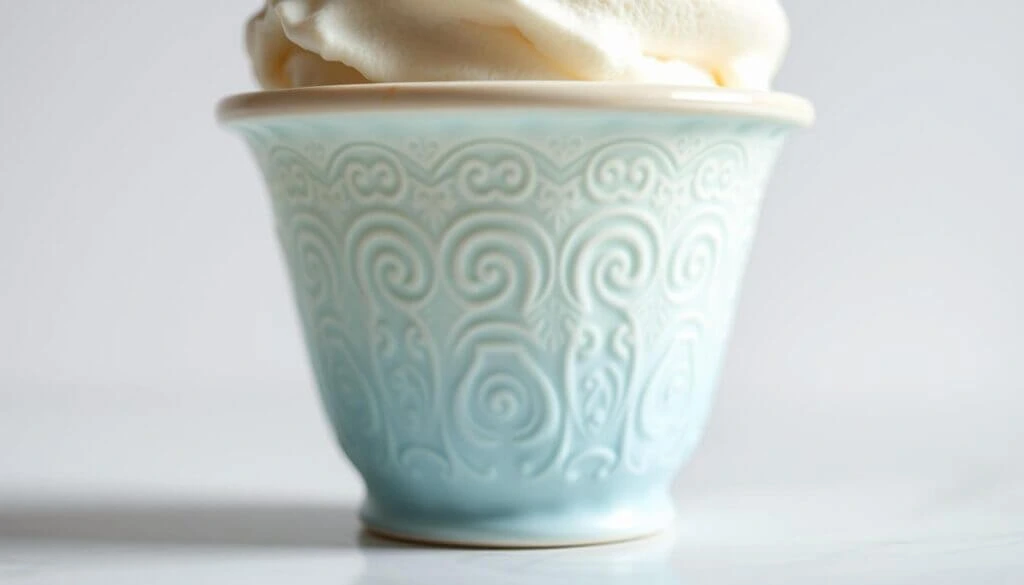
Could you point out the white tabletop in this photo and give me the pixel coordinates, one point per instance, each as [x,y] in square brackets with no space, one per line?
[246,487]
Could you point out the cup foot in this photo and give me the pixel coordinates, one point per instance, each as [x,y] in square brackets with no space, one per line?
[578,526]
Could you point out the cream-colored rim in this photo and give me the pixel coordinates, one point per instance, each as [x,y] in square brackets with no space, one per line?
[572,95]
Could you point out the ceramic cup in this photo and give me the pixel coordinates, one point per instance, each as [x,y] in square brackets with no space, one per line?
[516,296]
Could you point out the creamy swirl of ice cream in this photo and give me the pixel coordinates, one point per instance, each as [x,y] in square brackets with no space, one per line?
[729,43]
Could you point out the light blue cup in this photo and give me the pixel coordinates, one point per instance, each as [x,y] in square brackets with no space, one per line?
[516,296]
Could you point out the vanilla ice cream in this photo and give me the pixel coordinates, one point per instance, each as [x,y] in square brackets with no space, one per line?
[729,43]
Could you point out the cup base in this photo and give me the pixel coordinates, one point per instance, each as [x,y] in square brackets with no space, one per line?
[615,522]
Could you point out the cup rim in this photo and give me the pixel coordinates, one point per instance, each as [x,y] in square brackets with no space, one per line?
[490,95]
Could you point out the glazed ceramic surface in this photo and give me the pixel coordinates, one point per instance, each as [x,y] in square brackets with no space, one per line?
[516,317]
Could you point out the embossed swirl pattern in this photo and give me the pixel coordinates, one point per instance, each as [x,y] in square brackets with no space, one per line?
[535,308]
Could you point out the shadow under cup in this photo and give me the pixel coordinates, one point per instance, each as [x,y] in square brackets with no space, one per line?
[516,307]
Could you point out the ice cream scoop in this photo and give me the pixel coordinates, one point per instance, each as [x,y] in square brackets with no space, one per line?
[728,43]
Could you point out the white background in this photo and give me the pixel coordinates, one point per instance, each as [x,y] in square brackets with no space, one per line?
[148,345]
